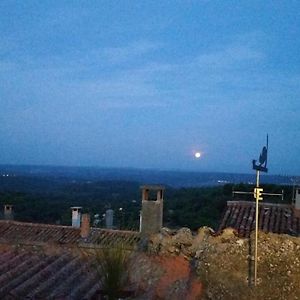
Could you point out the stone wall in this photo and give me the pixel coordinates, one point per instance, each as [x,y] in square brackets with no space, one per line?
[225,262]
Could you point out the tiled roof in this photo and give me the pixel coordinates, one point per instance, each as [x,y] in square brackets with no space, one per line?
[25,275]
[277,218]
[31,233]
[63,275]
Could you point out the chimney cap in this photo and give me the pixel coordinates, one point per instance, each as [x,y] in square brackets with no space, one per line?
[76,207]
[153,187]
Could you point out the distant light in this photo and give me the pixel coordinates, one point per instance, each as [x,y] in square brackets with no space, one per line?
[121,208]
[197,154]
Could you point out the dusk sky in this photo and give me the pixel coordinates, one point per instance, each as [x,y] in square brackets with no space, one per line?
[146,84]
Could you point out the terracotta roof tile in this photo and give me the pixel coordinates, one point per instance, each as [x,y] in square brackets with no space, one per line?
[38,276]
[277,218]
[31,233]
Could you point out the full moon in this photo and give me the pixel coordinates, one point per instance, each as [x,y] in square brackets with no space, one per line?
[197,154]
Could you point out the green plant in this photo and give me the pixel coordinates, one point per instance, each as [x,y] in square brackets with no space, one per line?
[112,268]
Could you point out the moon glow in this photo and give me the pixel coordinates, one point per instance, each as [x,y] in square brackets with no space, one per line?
[197,154]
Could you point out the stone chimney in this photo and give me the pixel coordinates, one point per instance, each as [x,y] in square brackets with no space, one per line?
[296,204]
[8,212]
[76,216]
[85,226]
[151,219]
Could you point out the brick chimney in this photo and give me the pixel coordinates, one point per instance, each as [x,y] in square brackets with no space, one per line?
[8,212]
[85,226]
[76,216]
[296,203]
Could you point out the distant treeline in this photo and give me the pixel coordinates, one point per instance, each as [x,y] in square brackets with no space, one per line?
[48,200]
[176,179]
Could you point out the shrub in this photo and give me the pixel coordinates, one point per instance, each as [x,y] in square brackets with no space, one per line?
[112,268]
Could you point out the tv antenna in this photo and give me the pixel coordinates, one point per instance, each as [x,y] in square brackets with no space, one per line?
[259,166]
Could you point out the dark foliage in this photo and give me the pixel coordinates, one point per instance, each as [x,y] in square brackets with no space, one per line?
[48,200]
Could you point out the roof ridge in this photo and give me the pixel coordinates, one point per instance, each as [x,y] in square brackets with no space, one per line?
[64,226]
[250,203]
[38,224]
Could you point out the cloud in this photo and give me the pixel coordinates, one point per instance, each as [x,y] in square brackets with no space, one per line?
[132,51]
[229,56]
[127,77]
[131,76]
[91,75]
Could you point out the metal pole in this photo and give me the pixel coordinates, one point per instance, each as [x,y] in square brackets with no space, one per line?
[256,230]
